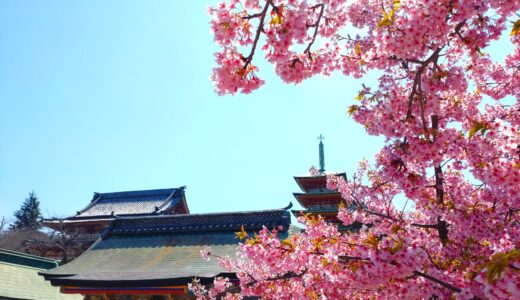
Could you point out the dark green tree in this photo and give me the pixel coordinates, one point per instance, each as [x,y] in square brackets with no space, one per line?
[29,215]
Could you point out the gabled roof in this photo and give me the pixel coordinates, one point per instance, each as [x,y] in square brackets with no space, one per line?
[106,206]
[164,250]
[19,277]
[132,203]
[28,260]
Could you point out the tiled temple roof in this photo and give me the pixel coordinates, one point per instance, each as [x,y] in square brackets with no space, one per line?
[19,277]
[132,203]
[28,260]
[107,206]
[163,250]
[251,220]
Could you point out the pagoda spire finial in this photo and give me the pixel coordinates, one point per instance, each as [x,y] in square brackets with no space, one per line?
[322,154]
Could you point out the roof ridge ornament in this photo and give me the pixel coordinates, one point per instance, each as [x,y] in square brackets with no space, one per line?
[95,197]
[288,206]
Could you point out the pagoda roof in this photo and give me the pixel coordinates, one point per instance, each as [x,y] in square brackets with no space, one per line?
[297,212]
[327,197]
[322,175]
[317,193]
[307,182]
[162,250]
[106,206]
[19,277]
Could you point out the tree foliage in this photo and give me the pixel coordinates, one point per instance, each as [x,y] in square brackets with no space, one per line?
[451,118]
[28,217]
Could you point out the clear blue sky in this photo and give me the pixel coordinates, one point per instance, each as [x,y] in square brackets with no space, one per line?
[104,96]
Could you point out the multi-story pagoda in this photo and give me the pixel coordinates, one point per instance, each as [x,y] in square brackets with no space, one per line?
[315,197]
[89,222]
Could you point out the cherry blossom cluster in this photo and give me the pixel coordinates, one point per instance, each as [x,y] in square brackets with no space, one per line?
[450,115]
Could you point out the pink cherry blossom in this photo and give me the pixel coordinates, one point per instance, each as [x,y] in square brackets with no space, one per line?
[450,116]
[206,253]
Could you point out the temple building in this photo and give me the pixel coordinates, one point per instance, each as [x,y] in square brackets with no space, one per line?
[156,256]
[146,244]
[89,222]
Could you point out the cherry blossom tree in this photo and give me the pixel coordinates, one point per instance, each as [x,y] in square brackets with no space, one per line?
[451,118]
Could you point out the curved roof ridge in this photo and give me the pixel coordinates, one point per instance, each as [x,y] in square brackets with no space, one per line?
[223,221]
[172,200]
[206,214]
[130,203]
[125,194]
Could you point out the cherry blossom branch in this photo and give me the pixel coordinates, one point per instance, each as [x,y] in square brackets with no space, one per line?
[417,79]
[439,181]
[288,275]
[445,284]
[431,259]
[433,77]
[439,190]
[346,258]
[316,25]
[509,214]
[441,226]
[253,16]
[231,289]
[407,60]
[438,281]
[259,31]
[458,32]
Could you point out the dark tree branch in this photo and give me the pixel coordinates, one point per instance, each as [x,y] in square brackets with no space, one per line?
[440,282]
[285,276]
[316,27]
[417,80]
[253,16]
[259,31]
[3,222]
[345,258]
